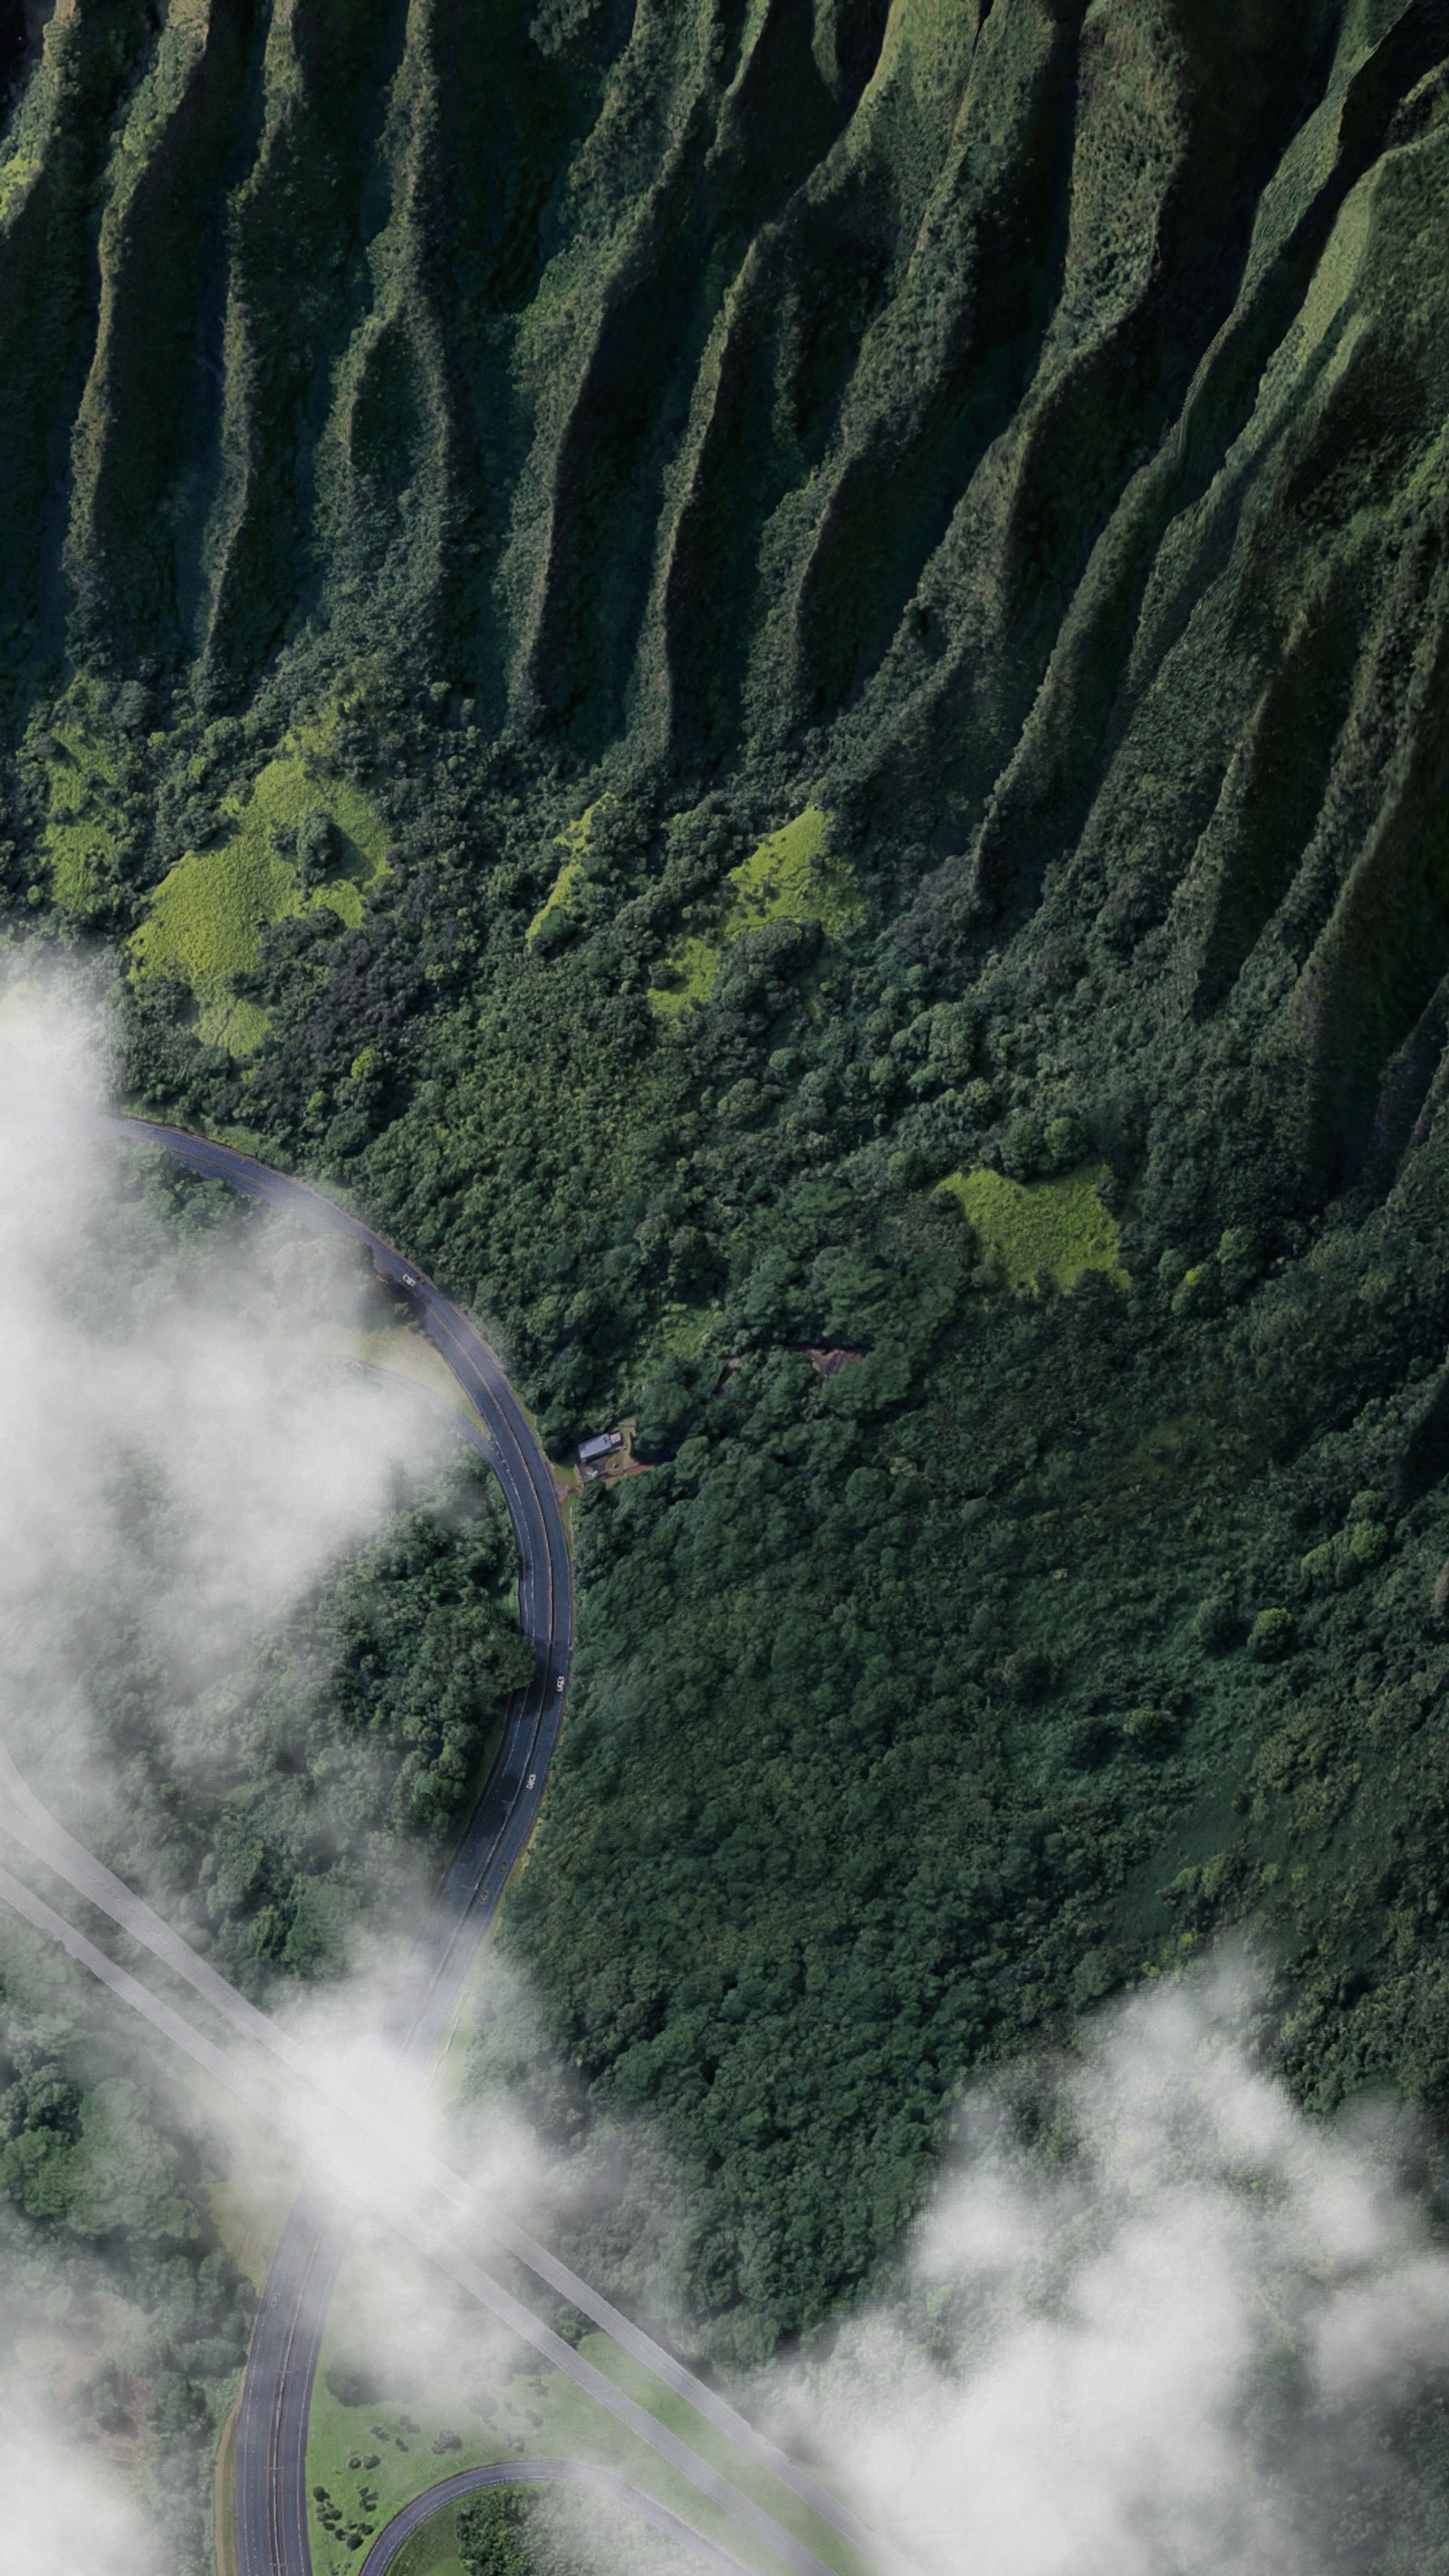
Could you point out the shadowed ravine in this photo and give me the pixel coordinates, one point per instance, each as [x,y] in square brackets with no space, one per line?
[1025,419]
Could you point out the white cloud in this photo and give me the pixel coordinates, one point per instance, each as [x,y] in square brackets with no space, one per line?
[1159,2349]
[1160,2341]
[257,1466]
[63,2506]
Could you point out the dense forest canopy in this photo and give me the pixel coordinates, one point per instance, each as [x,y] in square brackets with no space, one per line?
[773,671]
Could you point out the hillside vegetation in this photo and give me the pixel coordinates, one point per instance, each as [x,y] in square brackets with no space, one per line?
[775,671]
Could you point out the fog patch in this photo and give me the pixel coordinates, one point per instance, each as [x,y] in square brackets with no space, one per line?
[64,2507]
[1157,2323]
[178,1466]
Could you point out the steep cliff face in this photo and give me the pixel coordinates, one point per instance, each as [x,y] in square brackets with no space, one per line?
[1018,424]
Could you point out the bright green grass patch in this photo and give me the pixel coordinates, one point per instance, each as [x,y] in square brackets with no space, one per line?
[16,176]
[84,836]
[692,969]
[433,2551]
[401,2435]
[85,751]
[80,843]
[1056,1228]
[25,147]
[558,898]
[790,877]
[573,840]
[208,914]
[534,2412]
[784,874]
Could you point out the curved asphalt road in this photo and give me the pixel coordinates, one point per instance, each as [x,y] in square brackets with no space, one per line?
[271,2489]
[271,2438]
[552,2473]
[436,2243]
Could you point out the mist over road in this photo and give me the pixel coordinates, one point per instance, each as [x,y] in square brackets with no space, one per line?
[394,2537]
[271,2495]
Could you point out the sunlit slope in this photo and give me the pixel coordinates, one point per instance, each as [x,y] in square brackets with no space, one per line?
[1028,416]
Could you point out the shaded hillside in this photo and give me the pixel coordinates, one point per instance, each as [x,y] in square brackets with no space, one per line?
[1023,423]
[730,654]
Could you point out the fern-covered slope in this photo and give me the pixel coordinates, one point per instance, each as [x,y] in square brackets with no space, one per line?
[1024,419]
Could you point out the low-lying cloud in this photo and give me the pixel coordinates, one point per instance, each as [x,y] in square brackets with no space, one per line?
[179,1471]
[1160,2324]
[1155,2323]
[63,2508]
[164,1448]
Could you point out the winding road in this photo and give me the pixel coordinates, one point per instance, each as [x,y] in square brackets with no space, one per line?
[271,2436]
[271,2493]
[543,2473]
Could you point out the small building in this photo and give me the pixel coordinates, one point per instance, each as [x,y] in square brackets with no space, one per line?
[830,1362]
[594,1455]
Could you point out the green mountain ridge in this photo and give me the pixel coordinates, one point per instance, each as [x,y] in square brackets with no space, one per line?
[991,456]
[1019,426]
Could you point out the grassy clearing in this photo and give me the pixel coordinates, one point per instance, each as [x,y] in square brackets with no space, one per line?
[716,2447]
[82,841]
[1056,1228]
[790,877]
[395,2442]
[433,2551]
[208,914]
[223,2498]
[479,2409]
[573,840]
[17,176]
[679,1333]
[558,898]
[24,148]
